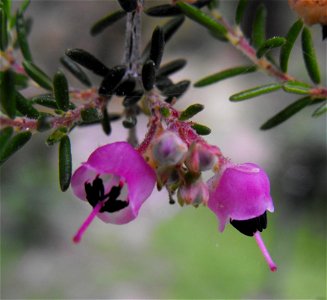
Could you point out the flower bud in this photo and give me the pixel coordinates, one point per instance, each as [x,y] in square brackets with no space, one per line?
[195,193]
[168,149]
[200,158]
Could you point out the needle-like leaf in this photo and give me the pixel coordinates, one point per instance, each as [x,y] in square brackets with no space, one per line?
[286,113]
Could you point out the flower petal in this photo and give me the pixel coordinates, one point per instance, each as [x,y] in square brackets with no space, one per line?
[121,161]
[239,192]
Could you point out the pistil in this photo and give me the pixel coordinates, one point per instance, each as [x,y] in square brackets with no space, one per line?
[78,236]
[270,262]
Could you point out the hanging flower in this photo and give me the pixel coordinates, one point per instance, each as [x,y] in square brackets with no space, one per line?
[240,194]
[115,181]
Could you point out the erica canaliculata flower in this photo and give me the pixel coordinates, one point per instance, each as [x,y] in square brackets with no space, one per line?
[115,181]
[240,194]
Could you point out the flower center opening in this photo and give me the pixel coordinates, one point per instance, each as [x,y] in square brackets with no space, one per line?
[251,226]
[110,203]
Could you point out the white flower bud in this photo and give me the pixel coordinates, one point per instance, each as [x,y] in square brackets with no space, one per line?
[168,149]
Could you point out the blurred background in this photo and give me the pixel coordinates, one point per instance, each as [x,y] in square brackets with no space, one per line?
[169,252]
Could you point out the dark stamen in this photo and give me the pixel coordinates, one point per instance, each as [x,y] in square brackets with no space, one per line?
[251,226]
[113,206]
[324,31]
[95,194]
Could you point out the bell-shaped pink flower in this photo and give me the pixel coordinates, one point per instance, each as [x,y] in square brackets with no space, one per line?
[116,181]
[240,194]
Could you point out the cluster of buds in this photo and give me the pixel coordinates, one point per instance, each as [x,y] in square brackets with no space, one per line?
[178,167]
[117,178]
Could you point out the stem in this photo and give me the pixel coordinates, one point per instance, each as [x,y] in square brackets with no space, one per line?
[132,57]
[132,136]
[237,39]
[133,42]
[68,119]
[270,262]
[78,236]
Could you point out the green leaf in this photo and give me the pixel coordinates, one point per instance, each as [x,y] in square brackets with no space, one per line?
[7,93]
[321,110]
[170,28]
[6,5]
[296,87]
[56,136]
[201,129]
[90,115]
[112,80]
[46,100]
[75,69]
[171,67]
[133,98]
[286,113]
[106,126]
[14,144]
[106,21]
[162,83]
[286,49]
[200,17]
[191,111]
[148,75]
[241,6]
[88,61]
[164,112]
[157,46]
[22,36]
[61,93]
[176,90]
[225,74]
[21,81]
[65,163]
[164,10]
[37,75]
[256,91]
[3,30]
[259,26]
[24,6]
[25,107]
[126,86]
[5,135]
[309,56]
[269,44]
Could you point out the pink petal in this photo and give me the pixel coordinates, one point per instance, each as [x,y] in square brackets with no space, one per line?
[239,192]
[119,160]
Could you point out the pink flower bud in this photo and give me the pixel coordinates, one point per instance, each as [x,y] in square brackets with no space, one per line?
[168,149]
[195,193]
[200,158]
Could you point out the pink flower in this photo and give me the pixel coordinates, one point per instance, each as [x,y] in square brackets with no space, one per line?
[241,194]
[116,181]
